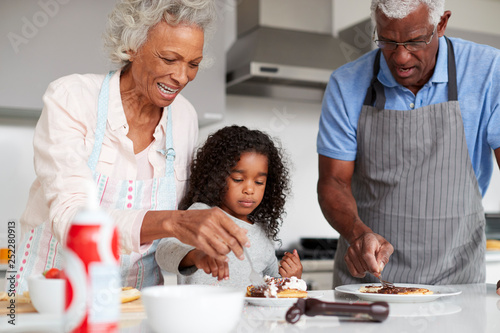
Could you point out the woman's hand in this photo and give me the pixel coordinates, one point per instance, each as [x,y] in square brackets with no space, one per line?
[290,265]
[209,230]
[368,253]
[218,269]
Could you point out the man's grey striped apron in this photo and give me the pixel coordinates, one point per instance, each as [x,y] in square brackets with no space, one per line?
[414,185]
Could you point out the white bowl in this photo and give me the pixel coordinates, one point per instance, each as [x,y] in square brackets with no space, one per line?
[47,295]
[193,308]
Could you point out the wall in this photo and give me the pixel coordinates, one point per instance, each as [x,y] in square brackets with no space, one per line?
[16,169]
[43,40]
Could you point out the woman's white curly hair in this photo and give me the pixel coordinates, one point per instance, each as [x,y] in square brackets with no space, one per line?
[398,9]
[129,22]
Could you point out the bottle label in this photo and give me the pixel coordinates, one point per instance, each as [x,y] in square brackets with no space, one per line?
[76,290]
[105,289]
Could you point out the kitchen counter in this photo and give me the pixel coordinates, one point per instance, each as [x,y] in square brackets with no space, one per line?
[476,310]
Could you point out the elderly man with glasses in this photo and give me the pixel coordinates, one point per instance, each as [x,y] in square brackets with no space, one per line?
[406,141]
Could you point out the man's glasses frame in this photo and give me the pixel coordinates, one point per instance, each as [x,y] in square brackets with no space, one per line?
[410,46]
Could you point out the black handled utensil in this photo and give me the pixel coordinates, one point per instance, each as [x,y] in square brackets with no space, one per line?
[377,311]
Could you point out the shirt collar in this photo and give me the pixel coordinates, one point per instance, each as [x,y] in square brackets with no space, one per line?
[440,71]
[163,120]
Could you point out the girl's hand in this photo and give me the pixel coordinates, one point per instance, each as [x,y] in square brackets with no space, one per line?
[218,269]
[290,265]
[498,287]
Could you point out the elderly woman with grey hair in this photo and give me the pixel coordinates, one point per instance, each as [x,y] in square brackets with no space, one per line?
[133,134]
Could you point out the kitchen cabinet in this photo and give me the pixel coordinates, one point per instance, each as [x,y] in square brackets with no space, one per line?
[46,39]
[318,274]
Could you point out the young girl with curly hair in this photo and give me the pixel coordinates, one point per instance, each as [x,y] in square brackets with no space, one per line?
[242,172]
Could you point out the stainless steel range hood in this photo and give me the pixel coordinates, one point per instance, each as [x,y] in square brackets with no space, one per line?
[283,57]
[278,62]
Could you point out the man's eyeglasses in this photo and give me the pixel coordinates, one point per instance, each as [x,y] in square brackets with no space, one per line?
[410,46]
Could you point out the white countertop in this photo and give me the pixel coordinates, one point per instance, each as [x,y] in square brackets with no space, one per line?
[476,310]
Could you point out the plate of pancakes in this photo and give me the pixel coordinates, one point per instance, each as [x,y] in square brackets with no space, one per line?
[400,293]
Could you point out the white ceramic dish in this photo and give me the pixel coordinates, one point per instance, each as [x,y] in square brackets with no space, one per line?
[439,291]
[279,302]
[47,295]
[193,308]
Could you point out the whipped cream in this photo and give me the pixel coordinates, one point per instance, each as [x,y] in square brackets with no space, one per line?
[295,283]
[274,285]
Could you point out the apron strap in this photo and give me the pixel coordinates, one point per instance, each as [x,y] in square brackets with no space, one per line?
[169,146]
[376,95]
[452,73]
[169,151]
[102,117]
[169,188]
[376,88]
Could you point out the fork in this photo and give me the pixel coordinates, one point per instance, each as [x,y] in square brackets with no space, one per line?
[256,279]
[384,283]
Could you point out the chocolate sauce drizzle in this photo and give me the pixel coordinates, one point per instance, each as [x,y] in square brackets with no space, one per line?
[261,291]
[393,290]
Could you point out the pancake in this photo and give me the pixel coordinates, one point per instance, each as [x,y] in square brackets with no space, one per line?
[279,288]
[395,290]
[129,294]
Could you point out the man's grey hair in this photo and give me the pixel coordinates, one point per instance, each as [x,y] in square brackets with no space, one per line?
[398,9]
[130,21]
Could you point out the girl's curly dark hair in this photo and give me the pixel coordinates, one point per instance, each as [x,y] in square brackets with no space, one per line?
[220,154]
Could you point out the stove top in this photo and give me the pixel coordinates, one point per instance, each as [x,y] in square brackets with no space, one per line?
[313,249]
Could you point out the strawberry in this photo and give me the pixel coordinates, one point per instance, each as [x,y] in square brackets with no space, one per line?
[53,273]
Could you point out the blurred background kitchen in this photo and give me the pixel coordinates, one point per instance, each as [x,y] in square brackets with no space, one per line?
[270,63]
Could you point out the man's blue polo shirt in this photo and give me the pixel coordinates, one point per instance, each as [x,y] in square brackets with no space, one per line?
[478,78]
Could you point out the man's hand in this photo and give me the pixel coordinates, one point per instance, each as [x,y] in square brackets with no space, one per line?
[290,265]
[368,253]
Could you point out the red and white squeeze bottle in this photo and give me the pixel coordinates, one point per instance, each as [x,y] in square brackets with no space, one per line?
[92,272]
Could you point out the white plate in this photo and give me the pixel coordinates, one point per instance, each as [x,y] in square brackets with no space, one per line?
[279,302]
[439,291]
